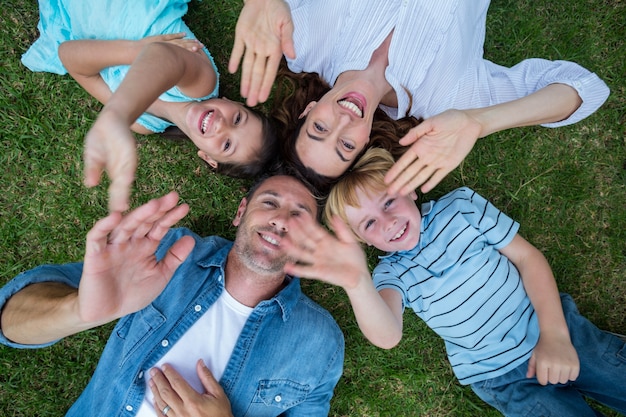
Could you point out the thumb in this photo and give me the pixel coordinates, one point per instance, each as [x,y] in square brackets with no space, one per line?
[236,54]
[210,384]
[532,367]
[286,41]
[177,255]
[342,230]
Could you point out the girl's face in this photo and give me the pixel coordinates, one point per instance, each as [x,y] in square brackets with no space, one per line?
[386,222]
[335,131]
[224,131]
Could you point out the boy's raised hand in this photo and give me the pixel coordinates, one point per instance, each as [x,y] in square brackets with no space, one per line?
[120,273]
[338,260]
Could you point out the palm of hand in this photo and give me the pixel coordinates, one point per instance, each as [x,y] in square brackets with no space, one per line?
[451,138]
[437,146]
[120,279]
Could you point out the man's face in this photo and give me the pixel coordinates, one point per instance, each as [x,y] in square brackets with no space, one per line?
[263,222]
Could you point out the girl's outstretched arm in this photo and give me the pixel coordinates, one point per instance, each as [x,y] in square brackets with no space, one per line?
[85,58]
[159,66]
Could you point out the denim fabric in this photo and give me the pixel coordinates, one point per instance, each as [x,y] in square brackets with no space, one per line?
[602,377]
[287,359]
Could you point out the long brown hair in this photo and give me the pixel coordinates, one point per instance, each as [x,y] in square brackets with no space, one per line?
[293,93]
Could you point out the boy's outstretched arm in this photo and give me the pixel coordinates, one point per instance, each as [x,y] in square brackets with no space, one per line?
[341,261]
[554,359]
[120,275]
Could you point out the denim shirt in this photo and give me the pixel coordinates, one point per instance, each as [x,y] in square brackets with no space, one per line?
[287,360]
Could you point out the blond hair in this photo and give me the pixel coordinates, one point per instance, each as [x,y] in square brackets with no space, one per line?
[368,174]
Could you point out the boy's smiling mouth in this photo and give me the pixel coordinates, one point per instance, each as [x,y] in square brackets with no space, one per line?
[400,233]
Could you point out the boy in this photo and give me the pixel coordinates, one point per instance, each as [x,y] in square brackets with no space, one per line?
[462,267]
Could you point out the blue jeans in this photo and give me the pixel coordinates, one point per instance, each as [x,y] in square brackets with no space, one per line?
[602,377]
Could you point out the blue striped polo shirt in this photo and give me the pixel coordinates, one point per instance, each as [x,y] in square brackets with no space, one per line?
[458,282]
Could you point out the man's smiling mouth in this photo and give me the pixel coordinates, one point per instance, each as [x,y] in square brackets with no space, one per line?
[269,239]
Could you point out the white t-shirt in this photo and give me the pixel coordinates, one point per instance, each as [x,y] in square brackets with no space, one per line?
[212,339]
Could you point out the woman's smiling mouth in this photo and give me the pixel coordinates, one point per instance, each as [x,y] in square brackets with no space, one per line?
[353,103]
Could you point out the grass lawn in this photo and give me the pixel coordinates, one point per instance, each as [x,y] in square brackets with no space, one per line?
[566,186]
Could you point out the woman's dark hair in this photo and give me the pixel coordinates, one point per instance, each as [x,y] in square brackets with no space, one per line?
[293,93]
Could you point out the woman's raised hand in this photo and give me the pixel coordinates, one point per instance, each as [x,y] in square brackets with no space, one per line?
[264,32]
[437,146]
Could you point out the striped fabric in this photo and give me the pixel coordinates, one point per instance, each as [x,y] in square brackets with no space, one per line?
[458,282]
[436,53]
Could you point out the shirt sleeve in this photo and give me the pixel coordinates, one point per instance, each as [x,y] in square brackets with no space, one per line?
[498,228]
[531,75]
[68,274]
[385,276]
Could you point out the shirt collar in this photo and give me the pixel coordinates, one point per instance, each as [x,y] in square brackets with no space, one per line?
[286,299]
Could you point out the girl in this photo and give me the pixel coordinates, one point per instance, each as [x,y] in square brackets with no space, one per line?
[144,64]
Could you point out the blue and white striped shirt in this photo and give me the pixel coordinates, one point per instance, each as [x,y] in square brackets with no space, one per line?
[459,283]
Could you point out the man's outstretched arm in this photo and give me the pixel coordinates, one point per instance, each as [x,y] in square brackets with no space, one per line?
[120,275]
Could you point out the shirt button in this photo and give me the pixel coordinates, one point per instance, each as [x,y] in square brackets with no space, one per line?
[140,375]
[129,408]
[278,398]
[198,308]
[165,342]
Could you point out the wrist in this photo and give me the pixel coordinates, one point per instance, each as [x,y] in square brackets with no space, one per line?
[360,284]
[484,119]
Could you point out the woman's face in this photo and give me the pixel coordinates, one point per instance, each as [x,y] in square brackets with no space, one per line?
[335,131]
[224,131]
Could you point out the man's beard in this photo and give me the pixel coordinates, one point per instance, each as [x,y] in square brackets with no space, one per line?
[259,260]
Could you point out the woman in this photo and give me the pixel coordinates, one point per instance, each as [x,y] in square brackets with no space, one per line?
[419,58]
[132,57]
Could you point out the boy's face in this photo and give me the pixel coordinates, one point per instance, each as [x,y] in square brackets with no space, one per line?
[388,223]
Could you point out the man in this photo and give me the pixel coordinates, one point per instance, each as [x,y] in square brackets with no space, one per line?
[191,309]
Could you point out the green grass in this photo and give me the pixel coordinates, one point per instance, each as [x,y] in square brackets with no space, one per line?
[566,186]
